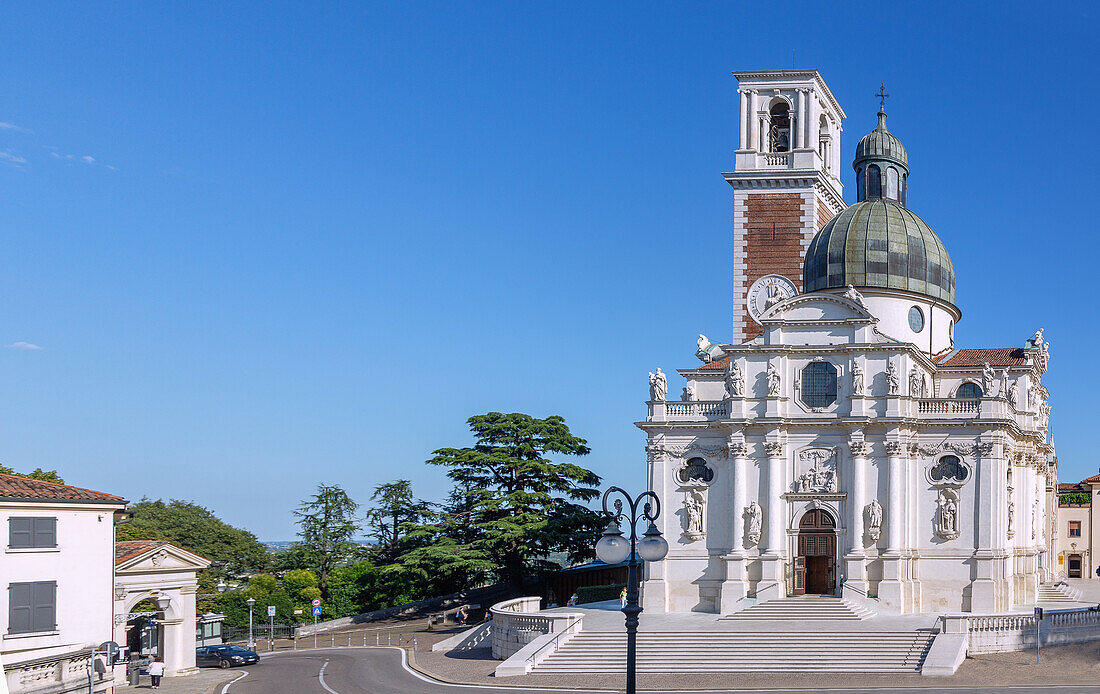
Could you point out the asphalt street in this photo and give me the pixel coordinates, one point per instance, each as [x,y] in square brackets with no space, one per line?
[383,671]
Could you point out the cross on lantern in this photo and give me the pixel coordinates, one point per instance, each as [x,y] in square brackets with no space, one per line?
[882,96]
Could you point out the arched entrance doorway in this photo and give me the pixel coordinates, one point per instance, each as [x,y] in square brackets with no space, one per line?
[816,554]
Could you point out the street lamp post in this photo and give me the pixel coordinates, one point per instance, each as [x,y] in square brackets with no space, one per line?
[614,549]
[251,602]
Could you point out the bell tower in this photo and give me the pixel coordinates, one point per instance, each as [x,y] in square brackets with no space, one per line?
[786,185]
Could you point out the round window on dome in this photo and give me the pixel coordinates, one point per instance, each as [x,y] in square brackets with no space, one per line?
[916,319]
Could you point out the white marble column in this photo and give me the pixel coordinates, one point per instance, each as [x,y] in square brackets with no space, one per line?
[754,122]
[735,585]
[855,564]
[800,136]
[772,576]
[745,115]
[890,591]
[808,133]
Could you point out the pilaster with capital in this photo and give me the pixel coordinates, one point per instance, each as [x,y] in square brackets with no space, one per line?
[895,453]
[773,514]
[735,586]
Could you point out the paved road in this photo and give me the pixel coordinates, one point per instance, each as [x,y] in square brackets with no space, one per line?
[383,671]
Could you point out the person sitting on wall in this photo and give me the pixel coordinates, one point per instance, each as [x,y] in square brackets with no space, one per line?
[572,600]
[462,615]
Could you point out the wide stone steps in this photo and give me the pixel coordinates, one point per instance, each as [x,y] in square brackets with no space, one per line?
[1058,593]
[744,652]
[804,608]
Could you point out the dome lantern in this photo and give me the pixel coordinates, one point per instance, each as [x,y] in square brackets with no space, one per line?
[881,164]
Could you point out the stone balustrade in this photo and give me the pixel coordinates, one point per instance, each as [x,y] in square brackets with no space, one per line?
[66,672]
[949,406]
[999,633]
[518,622]
[705,410]
[777,158]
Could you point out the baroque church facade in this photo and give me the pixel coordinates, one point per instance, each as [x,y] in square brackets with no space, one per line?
[841,443]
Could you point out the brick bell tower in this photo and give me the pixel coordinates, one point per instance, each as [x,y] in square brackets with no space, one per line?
[786,185]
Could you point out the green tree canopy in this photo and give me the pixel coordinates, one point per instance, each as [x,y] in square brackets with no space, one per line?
[394,510]
[519,504]
[326,524]
[232,551]
[37,474]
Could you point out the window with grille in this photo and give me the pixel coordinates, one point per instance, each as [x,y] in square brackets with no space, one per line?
[819,384]
[969,391]
[695,469]
[949,468]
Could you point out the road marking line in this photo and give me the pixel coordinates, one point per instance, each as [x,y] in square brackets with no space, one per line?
[228,685]
[321,679]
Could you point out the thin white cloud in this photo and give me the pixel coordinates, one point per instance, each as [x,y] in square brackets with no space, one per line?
[71,159]
[24,346]
[88,160]
[13,159]
[13,127]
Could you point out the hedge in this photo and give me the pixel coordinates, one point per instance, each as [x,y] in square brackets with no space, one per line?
[599,593]
[1075,498]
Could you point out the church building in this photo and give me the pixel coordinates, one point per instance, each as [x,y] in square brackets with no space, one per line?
[841,443]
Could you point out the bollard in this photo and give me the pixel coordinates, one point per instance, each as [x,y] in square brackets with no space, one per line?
[377,636]
[414,643]
[389,641]
[349,640]
[364,639]
[333,643]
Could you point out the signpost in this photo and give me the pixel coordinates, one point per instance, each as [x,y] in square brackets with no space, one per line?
[316,613]
[271,627]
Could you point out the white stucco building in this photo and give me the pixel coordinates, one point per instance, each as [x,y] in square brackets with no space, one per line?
[842,433]
[57,576]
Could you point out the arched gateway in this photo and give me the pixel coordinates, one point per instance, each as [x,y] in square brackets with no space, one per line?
[815,565]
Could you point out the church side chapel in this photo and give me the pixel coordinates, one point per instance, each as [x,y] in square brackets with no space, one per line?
[841,443]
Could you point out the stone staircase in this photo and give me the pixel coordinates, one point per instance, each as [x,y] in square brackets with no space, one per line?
[1058,593]
[741,651]
[804,607]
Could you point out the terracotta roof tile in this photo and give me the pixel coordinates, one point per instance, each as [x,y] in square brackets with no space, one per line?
[716,365]
[128,549]
[1007,356]
[16,487]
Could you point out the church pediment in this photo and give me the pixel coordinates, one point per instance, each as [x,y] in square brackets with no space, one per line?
[162,558]
[820,309]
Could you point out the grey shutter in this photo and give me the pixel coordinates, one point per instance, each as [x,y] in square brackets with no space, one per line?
[20,534]
[45,602]
[45,532]
[20,602]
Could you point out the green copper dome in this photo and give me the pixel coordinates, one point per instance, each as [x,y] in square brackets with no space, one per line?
[879,243]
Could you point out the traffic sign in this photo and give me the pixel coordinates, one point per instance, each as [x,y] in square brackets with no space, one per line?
[316,610]
[316,602]
[270,610]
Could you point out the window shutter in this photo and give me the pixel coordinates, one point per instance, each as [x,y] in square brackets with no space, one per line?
[45,532]
[45,598]
[20,601]
[20,535]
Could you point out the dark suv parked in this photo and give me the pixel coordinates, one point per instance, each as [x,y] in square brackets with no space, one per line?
[223,656]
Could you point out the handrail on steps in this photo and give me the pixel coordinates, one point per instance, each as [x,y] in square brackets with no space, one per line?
[554,641]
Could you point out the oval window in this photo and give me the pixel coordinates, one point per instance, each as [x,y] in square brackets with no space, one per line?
[916,319]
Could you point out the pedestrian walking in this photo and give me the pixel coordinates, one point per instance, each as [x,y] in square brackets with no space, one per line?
[622,598]
[156,671]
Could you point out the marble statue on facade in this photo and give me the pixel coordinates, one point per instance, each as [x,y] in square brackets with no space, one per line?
[892,383]
[857,378]
[1013,392]
[708,351]
[693,516]
[689,392]
[1034,505]
[658,385]
[1037,339]
[916,383]
[773,380]
[988,377]
[1011,517]
[874,520]
[853,295]
[947,515]
[752,523]
[1003,392]
[735,380]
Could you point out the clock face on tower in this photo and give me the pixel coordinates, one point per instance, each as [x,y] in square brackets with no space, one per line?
[766,292]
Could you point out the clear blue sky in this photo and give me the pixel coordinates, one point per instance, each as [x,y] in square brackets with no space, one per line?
[309,240]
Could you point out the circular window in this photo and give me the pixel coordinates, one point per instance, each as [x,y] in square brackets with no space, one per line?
[916,319]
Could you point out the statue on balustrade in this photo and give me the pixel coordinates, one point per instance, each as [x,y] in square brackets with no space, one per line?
[988,378]
[689,392]
[658,385]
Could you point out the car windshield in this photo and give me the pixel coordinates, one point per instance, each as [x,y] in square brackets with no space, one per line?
[230,649]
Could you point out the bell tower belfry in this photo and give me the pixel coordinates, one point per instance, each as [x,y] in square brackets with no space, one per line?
[786,183]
